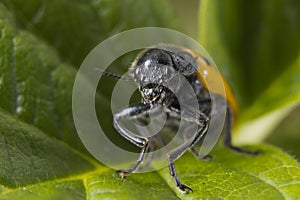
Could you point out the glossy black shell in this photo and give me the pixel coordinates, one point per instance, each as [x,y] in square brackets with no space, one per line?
[160,63]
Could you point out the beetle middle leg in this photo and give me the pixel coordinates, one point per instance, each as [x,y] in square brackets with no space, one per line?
[192,149]
[204,107]
[228,139]
[142,142]
[176,153]
[207,157]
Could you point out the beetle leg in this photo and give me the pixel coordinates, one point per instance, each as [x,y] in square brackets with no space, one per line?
[142,142]
[199,156]
[176,153]
[228,139]
[195,152]
[125,172]
[150,155]
[191,117]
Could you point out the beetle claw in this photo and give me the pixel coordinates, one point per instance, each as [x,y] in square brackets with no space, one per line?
[123,173]
[185,189]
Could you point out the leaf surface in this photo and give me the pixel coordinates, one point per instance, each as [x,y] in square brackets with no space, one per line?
[258,50]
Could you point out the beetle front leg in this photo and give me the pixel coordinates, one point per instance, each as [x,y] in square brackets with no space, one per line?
[125,172]
[142,142]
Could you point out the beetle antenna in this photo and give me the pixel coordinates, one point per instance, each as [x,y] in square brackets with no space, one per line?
[115,76]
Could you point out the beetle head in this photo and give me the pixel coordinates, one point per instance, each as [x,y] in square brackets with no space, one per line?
[153,77]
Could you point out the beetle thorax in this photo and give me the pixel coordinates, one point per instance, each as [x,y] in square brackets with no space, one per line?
[150,72]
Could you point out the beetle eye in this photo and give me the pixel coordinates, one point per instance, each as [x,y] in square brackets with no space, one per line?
[164,59]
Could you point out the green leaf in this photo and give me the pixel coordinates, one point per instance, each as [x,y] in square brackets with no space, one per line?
[270,175]
[34,85]
[38,157]
[34,166]
[69,190]
[44,168]
[138,186]
[278,99]
[28,156]
[75,27]
[31,157]
[283,91]
[260,46]
[256,42]
[289,141]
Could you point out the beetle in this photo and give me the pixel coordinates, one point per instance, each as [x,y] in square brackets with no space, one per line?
[151,69]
